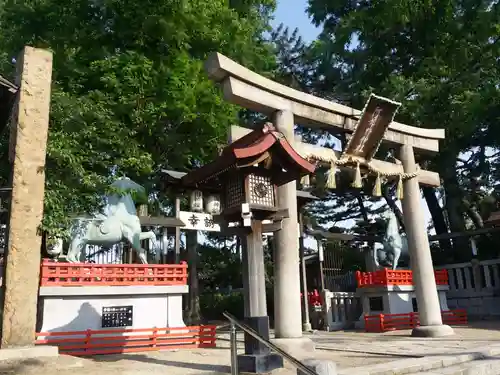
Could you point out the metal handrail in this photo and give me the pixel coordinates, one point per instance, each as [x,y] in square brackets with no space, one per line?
[234,354]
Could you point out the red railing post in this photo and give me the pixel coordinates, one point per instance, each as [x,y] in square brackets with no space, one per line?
[358,279]
[413,322]
[86,342]
[213,333]
[155,336]
[381,322]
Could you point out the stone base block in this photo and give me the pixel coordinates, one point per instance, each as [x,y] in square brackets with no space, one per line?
[259,363]
[432,331]
[29,352]
[259,324]
[321,367]
[307,327]
[295,346]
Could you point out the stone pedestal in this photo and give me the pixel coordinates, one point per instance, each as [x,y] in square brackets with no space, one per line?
[320,367]
[295,347]
[396,299]
[258,359]
[78,308]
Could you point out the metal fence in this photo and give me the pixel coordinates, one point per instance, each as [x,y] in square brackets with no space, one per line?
[123,253]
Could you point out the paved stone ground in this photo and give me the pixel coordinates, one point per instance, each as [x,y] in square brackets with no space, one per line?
[347,349]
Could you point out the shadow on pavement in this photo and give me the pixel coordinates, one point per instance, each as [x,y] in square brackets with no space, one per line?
[164,362]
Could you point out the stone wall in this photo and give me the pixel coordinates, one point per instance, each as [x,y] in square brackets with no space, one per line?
[475,286]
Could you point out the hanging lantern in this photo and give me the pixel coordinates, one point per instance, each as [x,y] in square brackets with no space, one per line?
[212,205]
[196,201]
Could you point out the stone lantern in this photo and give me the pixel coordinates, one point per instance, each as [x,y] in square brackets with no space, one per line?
[248,173]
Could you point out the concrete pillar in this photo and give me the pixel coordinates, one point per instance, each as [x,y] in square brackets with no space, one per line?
[177,231]
[255,271]
[306,321]
[420,254]
[29,130]
[287,306]
[193,313]
[244,263]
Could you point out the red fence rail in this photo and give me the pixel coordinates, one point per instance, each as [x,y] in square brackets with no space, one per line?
[392,322]
[387,277]
[313,298]
[88,274]
[111,341]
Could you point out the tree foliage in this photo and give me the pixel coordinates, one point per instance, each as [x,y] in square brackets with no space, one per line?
[130,95]
[440,59]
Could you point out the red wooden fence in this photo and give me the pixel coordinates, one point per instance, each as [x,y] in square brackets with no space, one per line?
[387,277]
[88,274]
[115,341]
[392,322]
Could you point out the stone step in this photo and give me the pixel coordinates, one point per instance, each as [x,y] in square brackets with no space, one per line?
[430,365]
[487,366]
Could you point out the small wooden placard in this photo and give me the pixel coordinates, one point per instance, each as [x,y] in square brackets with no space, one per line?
[371,127]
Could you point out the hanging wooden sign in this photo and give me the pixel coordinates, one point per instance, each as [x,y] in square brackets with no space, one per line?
[198,221]
[371,127]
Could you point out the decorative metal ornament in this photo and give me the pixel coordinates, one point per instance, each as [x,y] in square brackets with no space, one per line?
[261,190]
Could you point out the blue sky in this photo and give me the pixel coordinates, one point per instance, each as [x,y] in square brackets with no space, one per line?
[293,14]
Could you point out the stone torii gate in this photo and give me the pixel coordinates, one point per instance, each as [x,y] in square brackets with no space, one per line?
[286,107]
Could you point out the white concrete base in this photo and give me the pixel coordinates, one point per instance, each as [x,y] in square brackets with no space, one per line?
[29,352]
[295,346]
[432,331]
[320,367]
[396,299]
[306,327]
[68,309]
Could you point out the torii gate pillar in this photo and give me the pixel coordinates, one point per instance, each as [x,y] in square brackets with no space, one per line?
[287,304]
[420,254]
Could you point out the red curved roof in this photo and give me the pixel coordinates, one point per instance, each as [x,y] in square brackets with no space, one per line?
[249,150]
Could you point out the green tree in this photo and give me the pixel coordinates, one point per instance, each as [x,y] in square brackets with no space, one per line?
[440,59]
[130,95]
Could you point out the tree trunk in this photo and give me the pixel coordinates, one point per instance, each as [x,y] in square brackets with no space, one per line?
[193,315]
[473,214]
[455,209]
[369,256]
[362,207]
[437,216]
[392,204]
